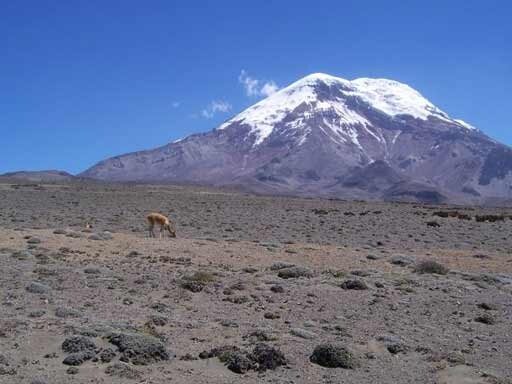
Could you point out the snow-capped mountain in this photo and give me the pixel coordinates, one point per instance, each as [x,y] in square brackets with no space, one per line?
[324,135]
[387,96]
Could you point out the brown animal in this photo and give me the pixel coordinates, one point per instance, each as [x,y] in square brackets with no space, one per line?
[163,221]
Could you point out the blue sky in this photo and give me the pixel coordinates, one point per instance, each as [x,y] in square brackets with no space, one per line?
[85,80]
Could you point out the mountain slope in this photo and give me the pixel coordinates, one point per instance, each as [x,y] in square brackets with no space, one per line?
[323,135]
[39,176]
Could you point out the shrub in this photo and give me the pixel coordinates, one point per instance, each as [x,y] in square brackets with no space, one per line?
[201,277]
[489,218]
[354,284]
[457,214]
[430,266]
[486,319]
[333,356]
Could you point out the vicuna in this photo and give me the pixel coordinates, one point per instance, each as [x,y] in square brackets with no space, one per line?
[163,221]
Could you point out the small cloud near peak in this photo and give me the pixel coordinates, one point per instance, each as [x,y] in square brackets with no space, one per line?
[216,106]
[256,88]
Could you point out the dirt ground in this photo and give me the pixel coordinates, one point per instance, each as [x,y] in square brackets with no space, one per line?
[245,270]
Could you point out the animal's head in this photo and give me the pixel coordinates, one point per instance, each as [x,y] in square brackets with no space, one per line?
[172,231]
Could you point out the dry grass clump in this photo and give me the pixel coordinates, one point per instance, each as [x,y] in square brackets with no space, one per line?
[204,277]
[430,266]
[456,214]
[489,218]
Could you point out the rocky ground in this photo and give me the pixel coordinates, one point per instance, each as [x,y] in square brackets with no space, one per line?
[253,289]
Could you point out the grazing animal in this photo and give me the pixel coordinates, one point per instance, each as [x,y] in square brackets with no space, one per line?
[163,221]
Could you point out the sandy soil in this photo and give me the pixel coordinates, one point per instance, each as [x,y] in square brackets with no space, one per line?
[220,283]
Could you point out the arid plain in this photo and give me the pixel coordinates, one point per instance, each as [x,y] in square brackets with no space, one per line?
[253,289]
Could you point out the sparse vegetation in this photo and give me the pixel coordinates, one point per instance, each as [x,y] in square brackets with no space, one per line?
[488,306]
[489,218]
[337,274]
[192,286]
[139,286]
[430,266]
[333,356]
[294,272]
[357,285]
[486,318]
[196,281]
[218,352]
[263,357]
[203,277]
[455,214]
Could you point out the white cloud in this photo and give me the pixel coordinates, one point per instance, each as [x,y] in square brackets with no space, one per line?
[175,104]
[253,87]
[214,107]
[250,84]
[269,88]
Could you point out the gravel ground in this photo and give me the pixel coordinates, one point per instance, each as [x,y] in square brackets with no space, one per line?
[253,289]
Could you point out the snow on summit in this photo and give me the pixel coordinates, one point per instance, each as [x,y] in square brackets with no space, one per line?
[465,125]
[390,97]
[394,98]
